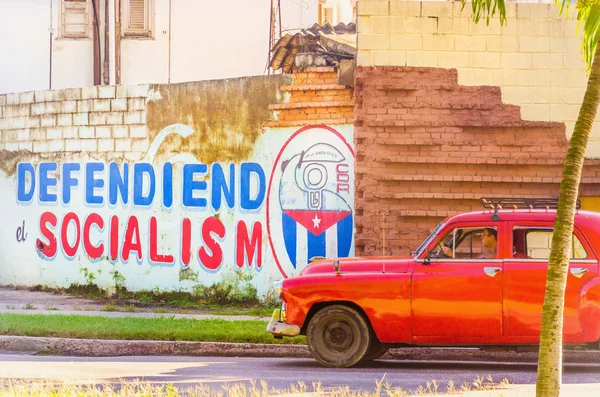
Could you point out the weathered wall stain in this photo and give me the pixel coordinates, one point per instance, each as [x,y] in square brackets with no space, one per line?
[226,115]
[9,160]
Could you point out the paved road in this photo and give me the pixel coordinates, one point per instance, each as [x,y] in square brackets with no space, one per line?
[279,373]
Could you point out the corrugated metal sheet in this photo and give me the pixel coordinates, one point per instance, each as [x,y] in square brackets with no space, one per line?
[332,43]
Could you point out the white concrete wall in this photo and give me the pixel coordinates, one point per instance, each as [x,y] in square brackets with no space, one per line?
[136,125]
[345,10]
[206,40]
[24,45]
[25,27]
[146,60]
[229,39]
[298,14]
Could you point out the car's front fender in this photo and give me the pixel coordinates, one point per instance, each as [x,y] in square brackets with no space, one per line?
[383,297]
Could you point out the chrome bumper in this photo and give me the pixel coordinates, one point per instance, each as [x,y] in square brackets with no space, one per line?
[278,328]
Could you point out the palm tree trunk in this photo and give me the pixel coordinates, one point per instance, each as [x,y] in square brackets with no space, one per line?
[549,375]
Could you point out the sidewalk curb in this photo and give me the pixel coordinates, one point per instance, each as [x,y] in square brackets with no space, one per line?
[102,348]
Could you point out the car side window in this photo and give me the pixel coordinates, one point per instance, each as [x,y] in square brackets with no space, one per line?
[535,243]
[468,243]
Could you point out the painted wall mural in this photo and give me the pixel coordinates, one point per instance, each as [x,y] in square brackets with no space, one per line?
[173,222]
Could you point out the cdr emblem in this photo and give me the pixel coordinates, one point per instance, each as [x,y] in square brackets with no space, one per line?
[311,199]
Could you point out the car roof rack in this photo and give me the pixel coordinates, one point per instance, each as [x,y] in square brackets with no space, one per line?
[496,203]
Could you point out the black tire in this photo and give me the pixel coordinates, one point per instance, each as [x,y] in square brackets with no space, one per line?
[338,336]
[376,350]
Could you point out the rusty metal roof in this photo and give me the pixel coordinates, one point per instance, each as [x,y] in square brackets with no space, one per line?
[330,44]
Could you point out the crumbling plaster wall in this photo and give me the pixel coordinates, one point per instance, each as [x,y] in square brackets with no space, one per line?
[209,122]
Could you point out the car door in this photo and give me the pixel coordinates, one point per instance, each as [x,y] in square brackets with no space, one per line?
[525,281]
[458,298]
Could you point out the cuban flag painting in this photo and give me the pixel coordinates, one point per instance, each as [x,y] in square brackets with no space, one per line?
[315,201]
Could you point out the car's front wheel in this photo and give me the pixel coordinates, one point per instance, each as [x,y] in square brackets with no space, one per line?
[338,336]
[376,350]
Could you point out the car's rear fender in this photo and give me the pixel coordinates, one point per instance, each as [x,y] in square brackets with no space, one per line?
[589,310]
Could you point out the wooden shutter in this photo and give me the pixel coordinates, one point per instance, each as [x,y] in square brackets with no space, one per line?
[75,19]
[137,14]
[138,18]
[328,15]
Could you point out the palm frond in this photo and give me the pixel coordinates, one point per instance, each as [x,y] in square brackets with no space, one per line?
[487,9]
[590,17]
[564,6]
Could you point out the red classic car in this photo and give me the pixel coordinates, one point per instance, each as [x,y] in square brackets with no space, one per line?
[478,279]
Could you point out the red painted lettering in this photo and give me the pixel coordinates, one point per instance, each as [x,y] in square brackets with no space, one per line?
[48,249]
[132,232]
[342,168]
[247,248]
[70,250]
[154,255]
[94,252]
[186,242]
[343,177]
[211,262]
[114,238]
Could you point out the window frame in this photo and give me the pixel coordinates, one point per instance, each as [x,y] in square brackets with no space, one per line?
[576,232]
[64,5]
[452,230]
[148,31]
[335,7]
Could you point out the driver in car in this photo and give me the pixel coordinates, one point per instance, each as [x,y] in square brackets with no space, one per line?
[489,239]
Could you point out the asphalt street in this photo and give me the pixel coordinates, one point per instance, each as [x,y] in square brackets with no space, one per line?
[279,373]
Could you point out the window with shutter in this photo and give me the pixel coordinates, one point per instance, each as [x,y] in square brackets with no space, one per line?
[328,13]
[75,19]
[138,18]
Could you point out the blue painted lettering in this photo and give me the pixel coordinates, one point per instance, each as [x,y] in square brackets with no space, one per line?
[118,183]
[138,184]
[47,181]
[91,183]
[68,181]
[219,185]
[246,171]
[190,185]
[23,170]
[167,185]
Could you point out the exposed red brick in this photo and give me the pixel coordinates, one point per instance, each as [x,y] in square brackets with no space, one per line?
[428,148]
[315,98]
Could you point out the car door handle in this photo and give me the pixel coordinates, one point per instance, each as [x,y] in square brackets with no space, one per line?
[579,271]
[491,271]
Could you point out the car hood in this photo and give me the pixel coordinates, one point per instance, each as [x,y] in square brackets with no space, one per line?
[361,265]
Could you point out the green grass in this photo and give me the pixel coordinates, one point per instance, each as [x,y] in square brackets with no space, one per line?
[131,328]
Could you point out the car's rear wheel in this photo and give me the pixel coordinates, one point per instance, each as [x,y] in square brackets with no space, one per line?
[338,336]
[376,350]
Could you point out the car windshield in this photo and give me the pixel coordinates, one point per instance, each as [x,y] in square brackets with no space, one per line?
[428,239]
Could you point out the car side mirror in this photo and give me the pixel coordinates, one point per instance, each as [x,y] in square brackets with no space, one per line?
[427,259]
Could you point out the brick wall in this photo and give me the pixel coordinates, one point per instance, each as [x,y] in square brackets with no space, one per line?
[535,58]
[428,148]
[108,121]
[314,98]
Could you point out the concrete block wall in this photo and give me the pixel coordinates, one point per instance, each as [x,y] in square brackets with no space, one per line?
[107,122]
[535,58]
